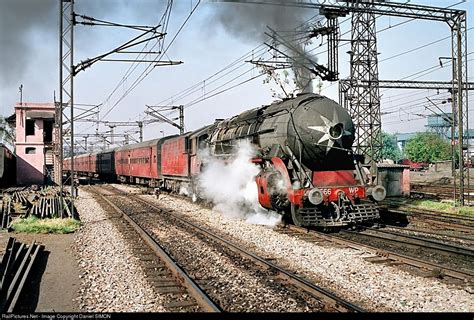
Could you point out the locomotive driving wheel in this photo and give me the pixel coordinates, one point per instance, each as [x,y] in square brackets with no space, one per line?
[296,215]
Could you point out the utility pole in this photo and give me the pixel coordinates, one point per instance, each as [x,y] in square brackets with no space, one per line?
[140,127]
[181,119]
[159,117]
[111,126]
[66,98]
[21,94]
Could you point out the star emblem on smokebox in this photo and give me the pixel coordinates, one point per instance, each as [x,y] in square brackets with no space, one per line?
[333,131]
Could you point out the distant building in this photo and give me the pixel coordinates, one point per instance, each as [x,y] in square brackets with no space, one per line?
[34,142]
[402,139]
[440,124]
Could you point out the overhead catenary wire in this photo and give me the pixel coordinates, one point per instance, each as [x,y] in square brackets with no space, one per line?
[399,54]
[258,48]
[164,21]
[148,70]
[199,86]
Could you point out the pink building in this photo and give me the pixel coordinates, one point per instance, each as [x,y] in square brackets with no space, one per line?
[34,142]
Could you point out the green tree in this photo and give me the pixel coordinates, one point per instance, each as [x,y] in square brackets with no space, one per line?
[390,148]
[427,147]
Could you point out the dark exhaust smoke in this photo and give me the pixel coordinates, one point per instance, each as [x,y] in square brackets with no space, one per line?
[249,22]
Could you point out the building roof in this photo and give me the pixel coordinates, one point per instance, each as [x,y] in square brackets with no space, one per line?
[34,114]
[402,137]
[35,105]
[471,134]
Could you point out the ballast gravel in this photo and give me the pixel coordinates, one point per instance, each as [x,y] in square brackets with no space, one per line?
[111,278]
[375,287]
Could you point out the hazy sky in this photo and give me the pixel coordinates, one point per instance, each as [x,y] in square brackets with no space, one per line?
[215,36]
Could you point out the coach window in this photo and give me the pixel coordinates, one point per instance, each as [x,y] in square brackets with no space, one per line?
[30,127]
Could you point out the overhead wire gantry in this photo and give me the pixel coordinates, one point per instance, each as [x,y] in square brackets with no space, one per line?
[68,19]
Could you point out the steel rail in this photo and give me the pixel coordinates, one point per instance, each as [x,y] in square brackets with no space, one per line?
[432,213]
[454,273]
[413,241]
[201,297]
[441,215]
[459,238]
[328,297]
[440,220]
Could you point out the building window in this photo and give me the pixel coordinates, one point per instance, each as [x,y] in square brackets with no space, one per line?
[48,131]
[30,127]
[30,150]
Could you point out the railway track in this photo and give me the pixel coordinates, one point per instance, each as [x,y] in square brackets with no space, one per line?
[413,241]
[438,191]
[465,240]
[174,277]
[380,255]
[331,301]
[440,220]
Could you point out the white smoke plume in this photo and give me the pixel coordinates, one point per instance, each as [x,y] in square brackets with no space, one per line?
[231,186]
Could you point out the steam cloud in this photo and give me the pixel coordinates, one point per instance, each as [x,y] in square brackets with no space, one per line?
[231,186]
[27,26]
[249,22]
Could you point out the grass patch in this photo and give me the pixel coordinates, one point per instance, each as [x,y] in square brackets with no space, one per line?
[443,207]
[468,211]
[34,225]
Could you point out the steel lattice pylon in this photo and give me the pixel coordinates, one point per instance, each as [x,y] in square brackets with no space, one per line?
[460,96]
[364,102]
[66,100]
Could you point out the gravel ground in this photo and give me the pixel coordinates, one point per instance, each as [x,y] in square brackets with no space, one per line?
[236,285]
[112,280]
[375,287]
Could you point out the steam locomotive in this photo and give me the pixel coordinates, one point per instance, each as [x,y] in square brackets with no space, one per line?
[307,169]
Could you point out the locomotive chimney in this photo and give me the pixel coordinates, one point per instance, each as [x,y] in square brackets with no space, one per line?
[308,88]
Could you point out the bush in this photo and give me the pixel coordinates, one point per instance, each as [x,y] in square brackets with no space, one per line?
[427,147]
[390,148]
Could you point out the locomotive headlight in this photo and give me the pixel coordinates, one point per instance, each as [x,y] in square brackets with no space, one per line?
[336,131]
[378,193]
[315,196]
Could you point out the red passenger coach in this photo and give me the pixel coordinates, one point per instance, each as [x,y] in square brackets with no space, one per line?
[93,163]
[175,162]
[138,163]
[175,157]
[122,167]
[67,164]
[81,163]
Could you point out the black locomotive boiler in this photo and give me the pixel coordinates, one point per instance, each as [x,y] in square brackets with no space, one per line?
[308,170]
